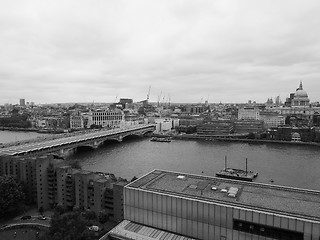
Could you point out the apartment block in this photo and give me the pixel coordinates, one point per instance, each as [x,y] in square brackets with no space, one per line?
[48,182]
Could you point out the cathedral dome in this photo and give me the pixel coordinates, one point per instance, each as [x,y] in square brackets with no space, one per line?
[300,98]
[300,94]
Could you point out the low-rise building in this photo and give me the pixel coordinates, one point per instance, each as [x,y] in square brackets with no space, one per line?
[248,113]
[76,120]
[271,119]
[288,133]
[200,207]
[163,124]
[216,127]
[248,126]
[106,118]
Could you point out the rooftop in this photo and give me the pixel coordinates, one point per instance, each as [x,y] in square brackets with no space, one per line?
[130,230]
[264,197]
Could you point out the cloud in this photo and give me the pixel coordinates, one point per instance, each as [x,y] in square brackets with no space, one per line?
[59,51]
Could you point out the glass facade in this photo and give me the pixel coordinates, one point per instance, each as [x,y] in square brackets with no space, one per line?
[207,220]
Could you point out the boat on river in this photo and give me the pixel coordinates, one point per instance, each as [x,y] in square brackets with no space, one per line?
[238,174]
[160,139]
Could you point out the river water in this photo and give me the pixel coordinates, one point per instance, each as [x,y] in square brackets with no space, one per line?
[10,136]
[290,165]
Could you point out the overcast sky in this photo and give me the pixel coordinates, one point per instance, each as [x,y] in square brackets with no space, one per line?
[220,50]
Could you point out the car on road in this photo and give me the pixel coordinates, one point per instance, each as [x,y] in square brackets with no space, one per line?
[25,217]
[41,217]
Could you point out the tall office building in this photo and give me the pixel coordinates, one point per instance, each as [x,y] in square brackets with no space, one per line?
[22,102]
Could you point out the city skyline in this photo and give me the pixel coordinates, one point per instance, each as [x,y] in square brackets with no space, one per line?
[221,51]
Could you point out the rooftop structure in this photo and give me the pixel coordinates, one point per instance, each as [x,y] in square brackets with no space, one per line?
[258,196]
[203,207]
[131,230]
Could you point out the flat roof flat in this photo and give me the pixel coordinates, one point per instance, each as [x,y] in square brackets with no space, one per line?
[131,230]
[258,196]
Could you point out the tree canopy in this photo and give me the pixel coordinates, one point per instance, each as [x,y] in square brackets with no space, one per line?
[71,225]
[15,121]
[11,195]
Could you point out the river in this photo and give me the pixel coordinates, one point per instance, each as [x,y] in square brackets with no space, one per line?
[10,136]
[290,165]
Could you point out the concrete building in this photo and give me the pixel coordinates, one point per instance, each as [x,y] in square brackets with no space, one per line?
[42,181]
[248,113]
[271,119]
[76,120]
[163,124]
[22,102]
[32,173]
[288,133]
[195,109]
[202,207]
[248,126]
[216,127]
[48,182]
[106,118]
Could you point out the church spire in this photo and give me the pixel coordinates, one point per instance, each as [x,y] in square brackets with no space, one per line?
[300,86]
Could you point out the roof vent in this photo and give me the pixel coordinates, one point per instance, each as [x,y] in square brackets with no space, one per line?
[233,192]
[181,177]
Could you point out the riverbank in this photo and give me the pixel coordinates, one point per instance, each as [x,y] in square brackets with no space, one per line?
[13,129]
[243,140]
[18,129]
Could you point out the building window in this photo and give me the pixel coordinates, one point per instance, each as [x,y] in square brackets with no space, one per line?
[266,231]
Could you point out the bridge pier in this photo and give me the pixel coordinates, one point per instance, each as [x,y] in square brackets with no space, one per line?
[63,152]
[96,144]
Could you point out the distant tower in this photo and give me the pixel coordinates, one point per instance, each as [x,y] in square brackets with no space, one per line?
[278,100]
[22,102]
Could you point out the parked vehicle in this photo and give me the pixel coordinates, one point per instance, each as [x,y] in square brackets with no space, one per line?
[41,217]
[25,217]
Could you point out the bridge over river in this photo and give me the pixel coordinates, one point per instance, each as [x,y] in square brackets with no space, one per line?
[92,139]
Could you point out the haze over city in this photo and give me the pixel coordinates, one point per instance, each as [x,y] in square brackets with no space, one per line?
[228,51]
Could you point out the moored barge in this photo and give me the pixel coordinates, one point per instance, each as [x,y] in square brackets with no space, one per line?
[238,174]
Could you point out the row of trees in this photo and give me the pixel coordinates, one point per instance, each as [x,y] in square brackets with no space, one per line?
[11,196]
[15,121]
[75,225]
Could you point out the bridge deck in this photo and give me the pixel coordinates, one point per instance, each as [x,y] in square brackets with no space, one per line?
[60,142]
